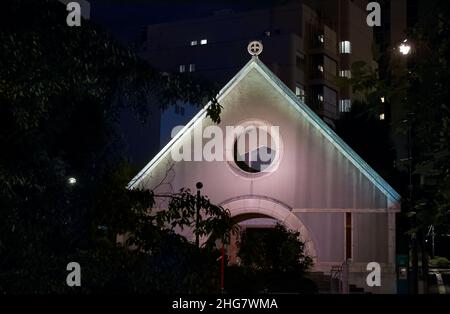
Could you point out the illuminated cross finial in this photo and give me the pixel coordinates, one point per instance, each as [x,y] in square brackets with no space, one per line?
[255,48]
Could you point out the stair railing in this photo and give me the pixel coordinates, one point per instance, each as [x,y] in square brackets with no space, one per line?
[339,274]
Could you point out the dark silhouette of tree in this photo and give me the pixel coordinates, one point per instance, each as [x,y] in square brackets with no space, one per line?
[273,249]
[61,91]
[272,259]
[417,85]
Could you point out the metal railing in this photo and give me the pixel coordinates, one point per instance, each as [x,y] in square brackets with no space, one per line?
[339,278]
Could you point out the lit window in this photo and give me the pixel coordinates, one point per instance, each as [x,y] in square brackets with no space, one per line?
[321,38]
[320,68]
[191,67]
[345,73]
[203,41]
[194,43]
[345,47]
[182,68]
[382,117]
[383,100]
[345,105]
[300,92]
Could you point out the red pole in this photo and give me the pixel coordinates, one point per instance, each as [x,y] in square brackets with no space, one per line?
[222,269]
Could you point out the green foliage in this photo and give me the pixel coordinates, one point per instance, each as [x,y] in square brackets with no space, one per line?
[174,266]
[61,91]
[428,98]
[439,262]
[215,222]
[272,260]
[46,63]
[416,87]
[273,249]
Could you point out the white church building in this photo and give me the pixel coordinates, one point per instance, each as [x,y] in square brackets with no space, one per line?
[312,181]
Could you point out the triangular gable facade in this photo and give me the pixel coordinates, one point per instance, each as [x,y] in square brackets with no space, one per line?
[317,169]
[318,186]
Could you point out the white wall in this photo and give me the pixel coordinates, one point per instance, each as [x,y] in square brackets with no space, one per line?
[313,180]
[311,174]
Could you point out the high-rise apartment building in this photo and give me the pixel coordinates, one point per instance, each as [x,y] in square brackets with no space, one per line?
[307,44]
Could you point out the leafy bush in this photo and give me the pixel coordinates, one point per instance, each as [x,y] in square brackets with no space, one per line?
[273,260]
[440,262]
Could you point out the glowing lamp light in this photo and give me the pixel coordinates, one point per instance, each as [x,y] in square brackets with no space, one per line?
[72,181]
[382,117]
[405,48]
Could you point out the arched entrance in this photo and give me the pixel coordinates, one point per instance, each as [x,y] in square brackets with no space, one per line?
[250,207]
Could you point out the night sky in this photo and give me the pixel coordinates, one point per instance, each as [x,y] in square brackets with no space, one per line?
[125,19]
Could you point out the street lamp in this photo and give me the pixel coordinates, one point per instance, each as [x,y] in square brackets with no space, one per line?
[412,213]
[72,181]
[432,234]
[199,185]
[405,48]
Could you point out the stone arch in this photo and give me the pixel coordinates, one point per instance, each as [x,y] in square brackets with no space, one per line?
[262,206]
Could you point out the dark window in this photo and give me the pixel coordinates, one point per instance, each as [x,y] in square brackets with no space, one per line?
[252,160]
[348,235]
[300,60]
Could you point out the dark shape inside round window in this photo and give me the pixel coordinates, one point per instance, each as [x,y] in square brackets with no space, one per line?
[253,160]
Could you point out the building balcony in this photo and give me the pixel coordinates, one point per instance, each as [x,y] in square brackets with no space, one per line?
[322,40]
[317,77]
[325,109]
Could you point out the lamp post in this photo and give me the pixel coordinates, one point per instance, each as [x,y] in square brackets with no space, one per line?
[431,234]
[199,185]
[414,245]
[405,50]
[222,268]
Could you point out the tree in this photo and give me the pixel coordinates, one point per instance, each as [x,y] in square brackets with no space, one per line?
[61,91]
[428,99]
[419,86]
[271,259]
[273,249]
[214,221]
